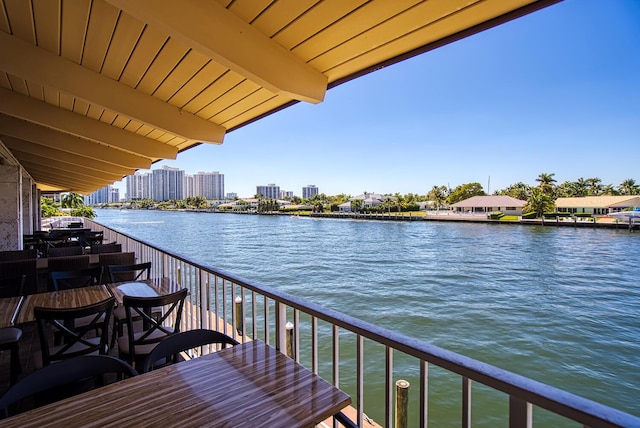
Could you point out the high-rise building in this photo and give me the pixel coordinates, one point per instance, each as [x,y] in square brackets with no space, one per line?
[209,184]
[286,194]
[309,191]
[269,191]
[107,194]
[167,184]
[138,186]
[189,186]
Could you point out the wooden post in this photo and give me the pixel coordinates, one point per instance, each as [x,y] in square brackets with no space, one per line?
[239,315]
[289,328]
[179,276]
[402,404]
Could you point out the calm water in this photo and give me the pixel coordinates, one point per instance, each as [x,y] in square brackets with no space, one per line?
[559,305]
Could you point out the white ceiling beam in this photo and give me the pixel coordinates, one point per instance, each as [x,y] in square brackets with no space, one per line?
[28,131]
[25,150]
[16,105]
[209,28]
[38,65]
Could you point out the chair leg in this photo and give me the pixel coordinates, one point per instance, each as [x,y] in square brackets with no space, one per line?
[15,367]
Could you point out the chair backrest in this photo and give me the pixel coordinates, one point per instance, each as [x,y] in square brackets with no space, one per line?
[155,327]
[63,373]
[12,255]
[106,248]
[65,280]
[12,286]
[75,341]
[76,250]
[91,238]
[166,350]
[58,264]
[28,268]
[119,273]
[116,259]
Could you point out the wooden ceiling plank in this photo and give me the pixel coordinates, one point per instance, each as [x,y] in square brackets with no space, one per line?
[190,65]
[126,36]
[66,101]
[102,23]
[51,96]
[80,106]
[28,131]
[75,21]
[108,117]
[247,103]
[145,51]
[197,84]
[18,85]
[80,126]
[21,19]
[280,14]
[48,69]
[73,183]
[35,91]
[4,80]
[167,59]
[95,112]
[47,24]
[213,92]
[270,103]
[133,126]
[224,37]
[238,92]
[4,19]
[121,121]
[61,171]
[248,10]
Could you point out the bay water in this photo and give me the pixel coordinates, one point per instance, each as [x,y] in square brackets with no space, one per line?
[560,305]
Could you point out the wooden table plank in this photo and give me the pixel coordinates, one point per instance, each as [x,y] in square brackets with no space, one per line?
[8,310]
[143,288]
[248,385]
[71,298]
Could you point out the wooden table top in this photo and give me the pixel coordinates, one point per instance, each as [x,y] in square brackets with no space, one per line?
[8,310]
[143,288]
[71,298]
[248,385]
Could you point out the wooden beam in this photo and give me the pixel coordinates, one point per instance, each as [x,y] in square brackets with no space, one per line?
[38,65]
[44,136]
[211,29]
[99,168]
[51,176]
[16,105]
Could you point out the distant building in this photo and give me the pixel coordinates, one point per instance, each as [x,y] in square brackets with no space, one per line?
[286,194]
[486,204]
[189,186]
[106,195]
[231,196]
[597,205]
[167,184]
[309,191]
[138,186]
[209,184]
[269,191]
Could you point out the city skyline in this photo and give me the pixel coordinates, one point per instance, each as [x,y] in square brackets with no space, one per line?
[542,94]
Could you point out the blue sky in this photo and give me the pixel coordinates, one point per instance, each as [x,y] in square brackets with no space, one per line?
[557,92]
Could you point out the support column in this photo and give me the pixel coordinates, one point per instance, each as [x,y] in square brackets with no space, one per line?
[10,206]
[27,204]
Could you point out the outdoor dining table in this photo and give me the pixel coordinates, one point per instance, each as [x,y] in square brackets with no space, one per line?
[249,385]
[62,299]
[142,288]
[9,307]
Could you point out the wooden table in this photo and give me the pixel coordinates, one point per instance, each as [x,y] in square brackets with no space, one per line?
[62,299]
[9,307]
[249,385]
[142,288]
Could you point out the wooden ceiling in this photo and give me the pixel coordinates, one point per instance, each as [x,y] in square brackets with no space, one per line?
[92,90]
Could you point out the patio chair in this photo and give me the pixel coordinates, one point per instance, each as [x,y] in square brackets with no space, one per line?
[65,264]
[57,378]
[10,336]
[106,248]
[135,346]
[64,280]
[13,255]
[75,250]
[106,259]
[74,337]
[27,268]
[167,351]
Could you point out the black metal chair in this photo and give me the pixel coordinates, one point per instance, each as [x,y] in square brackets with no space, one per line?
[167,351]
[27,267]
[106,248]
[75,341]
[120,273]
[13,255]
[64,280]
[10,336]
[75,250]
[57,378]
[136,345]
[107,259]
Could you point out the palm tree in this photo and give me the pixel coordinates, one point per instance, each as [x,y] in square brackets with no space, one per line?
[629,187]
[539,202]
[595,186]
[546,182]
[72,200]
[438,194]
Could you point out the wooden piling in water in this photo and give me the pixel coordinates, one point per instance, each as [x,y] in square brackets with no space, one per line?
[402,404]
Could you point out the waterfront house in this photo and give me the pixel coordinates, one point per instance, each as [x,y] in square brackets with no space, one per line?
[94,91]
[597,205]
[487,204]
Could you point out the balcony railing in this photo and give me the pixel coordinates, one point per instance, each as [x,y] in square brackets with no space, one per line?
[319,338]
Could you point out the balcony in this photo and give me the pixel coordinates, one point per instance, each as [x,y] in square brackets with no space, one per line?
[341,348]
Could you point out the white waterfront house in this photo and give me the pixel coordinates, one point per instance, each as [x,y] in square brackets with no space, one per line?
[487,204]
[597,205]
